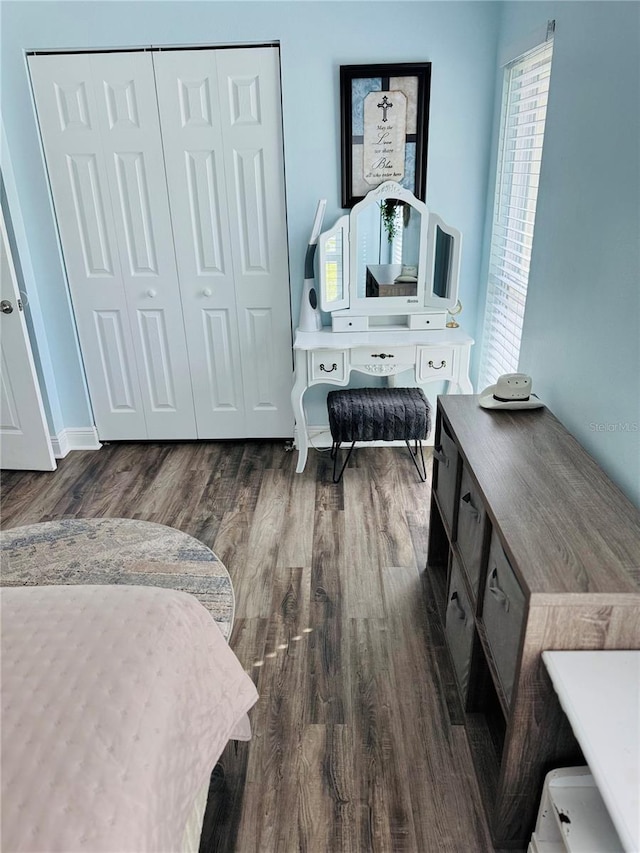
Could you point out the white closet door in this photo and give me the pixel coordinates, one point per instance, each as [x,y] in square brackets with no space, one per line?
[99,124]
[249,88]
[187,87]
[221,120]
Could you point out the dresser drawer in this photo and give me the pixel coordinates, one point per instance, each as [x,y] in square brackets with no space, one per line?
[470,529]
[435,363]
[328,366]
[459,628]
[445,455]
[380,357]
[503,614]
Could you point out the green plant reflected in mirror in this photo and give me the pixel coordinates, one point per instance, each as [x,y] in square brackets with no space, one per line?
[388,249]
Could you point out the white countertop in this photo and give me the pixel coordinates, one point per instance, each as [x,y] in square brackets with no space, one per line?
[600,693]
[397,336]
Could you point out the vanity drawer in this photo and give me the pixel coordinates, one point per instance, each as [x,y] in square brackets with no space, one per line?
[349,324]
[459,627]
[446,456]
[383,356]
[428,321]
[503,614]
[328,365]
[435,363]
[470,529]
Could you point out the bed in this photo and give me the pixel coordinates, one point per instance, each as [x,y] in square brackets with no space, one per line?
[117,702]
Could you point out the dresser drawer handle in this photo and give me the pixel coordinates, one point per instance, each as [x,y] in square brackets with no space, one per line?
[495,590]
[330,370]
[443,363]
[382,355]
[468,505]
[455,601]
[439,455]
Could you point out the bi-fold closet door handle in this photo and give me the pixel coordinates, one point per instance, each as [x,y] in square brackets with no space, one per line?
[496,591]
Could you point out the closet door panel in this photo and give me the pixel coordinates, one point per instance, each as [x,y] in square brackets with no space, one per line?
[251,207]
[249,91]
[132,144]
[119,381]
[68,116]
[187,88]
[224,392]
[262,385]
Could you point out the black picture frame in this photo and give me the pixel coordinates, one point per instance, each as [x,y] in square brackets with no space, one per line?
[356,81]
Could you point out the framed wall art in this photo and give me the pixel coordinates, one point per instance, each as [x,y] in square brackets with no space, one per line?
[385,127]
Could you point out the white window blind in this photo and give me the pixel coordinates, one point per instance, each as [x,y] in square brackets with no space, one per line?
[524,110]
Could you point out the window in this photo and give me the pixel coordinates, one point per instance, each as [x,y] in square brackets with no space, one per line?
[524,109]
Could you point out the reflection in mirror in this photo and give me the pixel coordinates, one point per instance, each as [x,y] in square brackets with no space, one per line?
[442,263]
[388,235]
[333,266]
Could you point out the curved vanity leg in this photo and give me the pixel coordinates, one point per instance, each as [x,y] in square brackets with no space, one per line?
[297,393]
[302,452]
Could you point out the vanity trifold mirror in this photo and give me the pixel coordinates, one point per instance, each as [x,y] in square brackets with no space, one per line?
[389,263]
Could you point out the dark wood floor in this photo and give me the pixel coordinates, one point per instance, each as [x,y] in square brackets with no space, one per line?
[357,743]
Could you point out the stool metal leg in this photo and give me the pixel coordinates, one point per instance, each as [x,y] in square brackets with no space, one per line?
[414,457]
[335,447]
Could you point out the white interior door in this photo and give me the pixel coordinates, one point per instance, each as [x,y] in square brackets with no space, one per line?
[24,437]
[221,120]
[99,122]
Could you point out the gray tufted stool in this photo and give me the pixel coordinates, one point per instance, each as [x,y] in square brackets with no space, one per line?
[378,414]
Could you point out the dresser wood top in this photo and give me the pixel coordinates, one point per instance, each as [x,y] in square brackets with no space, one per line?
[565,525]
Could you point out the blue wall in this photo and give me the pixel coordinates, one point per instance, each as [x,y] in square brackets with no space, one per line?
[581,340]
[582,325]
[316,38]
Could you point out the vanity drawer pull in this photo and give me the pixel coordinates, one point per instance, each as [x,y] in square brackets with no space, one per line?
[382,355]
[442,364]
[330,369]
[496,592]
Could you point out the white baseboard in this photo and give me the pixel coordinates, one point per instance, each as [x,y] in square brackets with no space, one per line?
[74,438]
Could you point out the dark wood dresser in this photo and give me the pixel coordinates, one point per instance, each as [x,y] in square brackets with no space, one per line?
[531,547]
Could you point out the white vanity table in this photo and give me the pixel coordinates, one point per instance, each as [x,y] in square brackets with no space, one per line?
[388,274]
[330,357]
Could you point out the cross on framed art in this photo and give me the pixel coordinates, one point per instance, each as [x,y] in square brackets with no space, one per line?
[384,112]
[385,105]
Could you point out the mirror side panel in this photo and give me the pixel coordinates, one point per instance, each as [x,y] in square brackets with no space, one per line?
[443,264]
[333,266]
